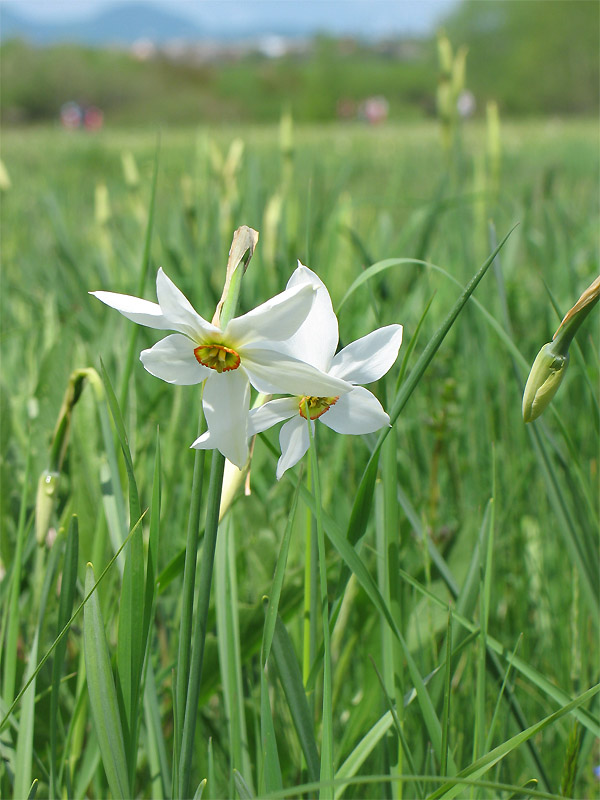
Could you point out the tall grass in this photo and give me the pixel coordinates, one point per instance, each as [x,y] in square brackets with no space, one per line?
[414,616]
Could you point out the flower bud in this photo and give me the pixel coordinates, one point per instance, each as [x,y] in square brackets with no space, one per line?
[545,377]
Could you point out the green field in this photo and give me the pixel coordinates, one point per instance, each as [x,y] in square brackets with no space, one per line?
[471,510]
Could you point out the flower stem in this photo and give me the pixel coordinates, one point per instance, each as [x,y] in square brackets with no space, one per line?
[309,563]
[327,720]
[197,657]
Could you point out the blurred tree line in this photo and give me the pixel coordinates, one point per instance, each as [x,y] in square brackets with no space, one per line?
[533,56]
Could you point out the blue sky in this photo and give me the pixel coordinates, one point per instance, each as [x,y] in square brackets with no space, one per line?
[337,16]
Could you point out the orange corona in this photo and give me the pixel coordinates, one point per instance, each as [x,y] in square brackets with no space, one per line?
[217,356]
[317,406]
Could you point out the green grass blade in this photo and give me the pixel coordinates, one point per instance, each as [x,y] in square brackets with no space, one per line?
[161,784]
[188,564]
[6,718]
[291,681]
[447,690]
[228,640]
[103,694]
[24,749]
[131,646]
[9,666]
[357,566]
[65,609]
[197,655]
[536,678]
[145,266]
[275,594]
[364,494]
[483,764]
[271,779]
[242,788]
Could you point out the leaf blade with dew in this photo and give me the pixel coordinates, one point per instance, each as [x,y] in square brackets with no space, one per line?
[67,598]
[103,694]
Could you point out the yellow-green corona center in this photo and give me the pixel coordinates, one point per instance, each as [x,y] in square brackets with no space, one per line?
[217,356]
[317,406]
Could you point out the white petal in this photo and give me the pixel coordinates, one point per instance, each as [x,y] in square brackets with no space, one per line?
[273,321]
[180,313]
[271,413]
[173,360]
[271,371]
[226,401]
[204,442]
[134,308]
[367,359]
[357,412]
[316,339]
[294,441]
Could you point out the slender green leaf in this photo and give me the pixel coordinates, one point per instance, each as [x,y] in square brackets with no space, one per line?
[65,609]
[481,765]
[43,572]
[291,681]
[364,494]
[536,678]
[103,694]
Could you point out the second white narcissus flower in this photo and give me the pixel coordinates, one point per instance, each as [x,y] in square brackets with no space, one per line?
[363,361]
[251,349]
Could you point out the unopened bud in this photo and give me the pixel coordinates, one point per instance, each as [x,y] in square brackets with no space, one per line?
[545,377]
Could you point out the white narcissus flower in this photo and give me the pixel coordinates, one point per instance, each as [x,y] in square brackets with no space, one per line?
[363,361]
[251,349]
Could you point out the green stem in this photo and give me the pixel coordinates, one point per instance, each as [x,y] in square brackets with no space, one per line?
[189,583]
[307,650]
[197,658]
[327,726]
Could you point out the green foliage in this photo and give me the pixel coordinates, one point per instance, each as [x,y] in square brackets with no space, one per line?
[532,57]
[479,534]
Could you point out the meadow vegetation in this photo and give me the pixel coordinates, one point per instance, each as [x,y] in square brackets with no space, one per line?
[531,63]
[467,569]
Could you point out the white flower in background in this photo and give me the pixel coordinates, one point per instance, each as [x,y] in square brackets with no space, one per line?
[254,348]
[363,361]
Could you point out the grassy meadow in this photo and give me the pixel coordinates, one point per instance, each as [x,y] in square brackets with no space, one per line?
[461,560]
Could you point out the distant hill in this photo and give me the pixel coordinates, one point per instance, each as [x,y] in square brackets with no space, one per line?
[225,20]
[122,23]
